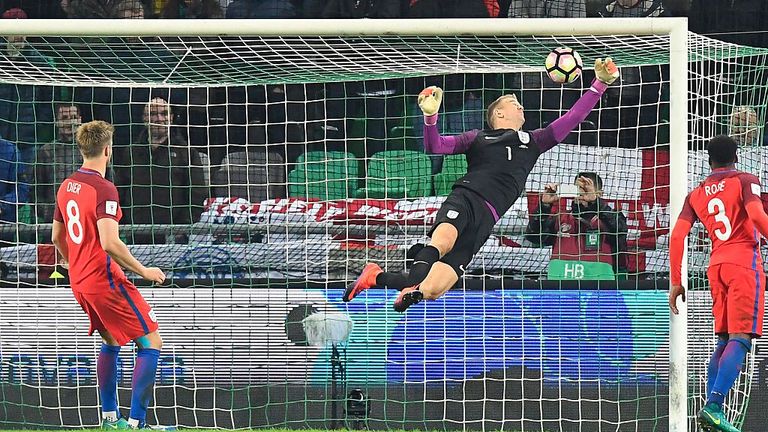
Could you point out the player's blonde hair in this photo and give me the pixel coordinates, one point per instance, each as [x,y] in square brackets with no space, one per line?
[495,104]
[93,136]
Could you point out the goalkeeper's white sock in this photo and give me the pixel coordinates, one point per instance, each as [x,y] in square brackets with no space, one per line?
[110,416]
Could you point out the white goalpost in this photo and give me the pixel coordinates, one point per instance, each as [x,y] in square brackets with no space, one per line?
[526,366]
[678,189]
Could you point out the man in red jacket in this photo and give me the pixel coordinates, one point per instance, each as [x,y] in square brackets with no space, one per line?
[589,240]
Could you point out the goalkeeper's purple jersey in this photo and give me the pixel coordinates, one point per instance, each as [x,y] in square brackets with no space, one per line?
[499,161]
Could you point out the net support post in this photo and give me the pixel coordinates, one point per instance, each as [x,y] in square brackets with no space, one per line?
[678,189]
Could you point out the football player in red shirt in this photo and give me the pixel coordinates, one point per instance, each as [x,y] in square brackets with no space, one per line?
[85,232]
[728,204]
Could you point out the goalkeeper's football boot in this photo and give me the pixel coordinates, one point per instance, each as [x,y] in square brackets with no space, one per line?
[157,427]
[160,428]
[407,298]
[712,418]
[367,279]
[119,424]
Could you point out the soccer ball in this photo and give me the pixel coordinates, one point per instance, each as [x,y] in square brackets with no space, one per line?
[563,65]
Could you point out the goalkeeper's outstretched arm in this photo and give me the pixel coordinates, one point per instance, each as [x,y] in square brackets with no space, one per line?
[606,73]
[429,102]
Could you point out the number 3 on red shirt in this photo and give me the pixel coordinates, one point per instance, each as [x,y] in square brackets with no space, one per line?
[716,207]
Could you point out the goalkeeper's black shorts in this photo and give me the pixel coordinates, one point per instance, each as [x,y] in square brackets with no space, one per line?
[473,218]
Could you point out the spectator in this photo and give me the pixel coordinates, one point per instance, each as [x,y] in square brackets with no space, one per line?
[115,56]
[68,8]
[122,9]
[12,191]
[192,9]
[56,161]
[633,9]
[129,9]
[35,9]
[589,241]
[744,126]
[161,180]
[26,117]
[547,9]
[261,9]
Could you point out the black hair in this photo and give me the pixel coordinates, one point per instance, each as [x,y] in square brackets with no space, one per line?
[722,151]
[595,177]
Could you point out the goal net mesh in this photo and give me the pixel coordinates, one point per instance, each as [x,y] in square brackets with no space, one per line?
[287,163]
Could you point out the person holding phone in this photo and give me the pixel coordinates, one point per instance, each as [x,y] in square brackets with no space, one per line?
[589,239]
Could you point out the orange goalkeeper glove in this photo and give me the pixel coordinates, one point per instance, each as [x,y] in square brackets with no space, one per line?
[430,99]
[607,72]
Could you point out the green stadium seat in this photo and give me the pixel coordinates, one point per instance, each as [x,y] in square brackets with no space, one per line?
[324,175]
[454,167]
[25,215]
[398,174]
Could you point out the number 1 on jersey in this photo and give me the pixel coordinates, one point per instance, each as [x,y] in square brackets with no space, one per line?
[716,207]
[509,153]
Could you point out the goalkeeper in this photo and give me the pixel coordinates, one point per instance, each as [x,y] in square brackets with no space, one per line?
[499,160]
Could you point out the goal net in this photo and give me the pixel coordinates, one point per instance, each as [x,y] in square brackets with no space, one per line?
[288,162]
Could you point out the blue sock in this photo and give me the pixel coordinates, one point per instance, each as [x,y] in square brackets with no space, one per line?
[714,363]
[106,372]
[143,382]
[729,369]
